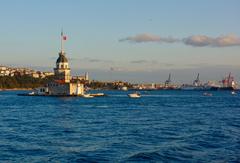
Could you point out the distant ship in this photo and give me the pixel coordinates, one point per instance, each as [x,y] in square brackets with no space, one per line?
[228,83]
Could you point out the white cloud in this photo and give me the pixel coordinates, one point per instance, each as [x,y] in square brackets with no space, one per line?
[195,40]
[198,40]
[228,40]
[146,37]
[222,41]
[151,62]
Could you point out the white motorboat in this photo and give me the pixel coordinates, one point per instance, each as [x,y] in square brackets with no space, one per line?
[134,95]
[98,94]
[124,88]
[233,93]
[87,96]
[207,94]
[31,93]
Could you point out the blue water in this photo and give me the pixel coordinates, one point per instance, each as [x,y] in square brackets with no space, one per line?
[162,126]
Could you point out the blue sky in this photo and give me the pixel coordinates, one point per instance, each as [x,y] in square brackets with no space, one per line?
[134,40]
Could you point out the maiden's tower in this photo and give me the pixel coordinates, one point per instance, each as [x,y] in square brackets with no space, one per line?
[63,83]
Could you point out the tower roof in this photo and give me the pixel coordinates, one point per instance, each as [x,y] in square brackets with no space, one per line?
[61,58]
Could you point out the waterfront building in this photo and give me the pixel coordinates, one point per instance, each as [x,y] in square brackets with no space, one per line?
[83,78]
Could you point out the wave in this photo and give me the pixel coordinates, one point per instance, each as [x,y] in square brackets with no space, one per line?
[155,156]
[145,156]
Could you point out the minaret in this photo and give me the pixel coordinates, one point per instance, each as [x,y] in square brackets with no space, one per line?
[86,76]
[62,70]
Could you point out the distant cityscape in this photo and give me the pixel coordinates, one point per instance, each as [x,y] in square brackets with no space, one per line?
[17,71]
[12,71]
[6,71]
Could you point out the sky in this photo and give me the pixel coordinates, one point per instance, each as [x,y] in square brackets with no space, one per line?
[131,40]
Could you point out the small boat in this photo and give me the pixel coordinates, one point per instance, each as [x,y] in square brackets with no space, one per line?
[207,94]
[87,96]
[124,88]
[31,93]
[233,93]
[98,94]
[134,95]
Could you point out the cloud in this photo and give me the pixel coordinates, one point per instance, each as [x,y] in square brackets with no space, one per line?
[146,37]
[198,40]
[222,41]
[127,69]
[195,40]
[143,62]
[139,61]
[91,60]
[228,40]
[168,64]
[94,60]
[117,69]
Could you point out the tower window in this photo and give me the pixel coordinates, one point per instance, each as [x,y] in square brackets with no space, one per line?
[62,66]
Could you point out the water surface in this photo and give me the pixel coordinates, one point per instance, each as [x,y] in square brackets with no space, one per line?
[162,126]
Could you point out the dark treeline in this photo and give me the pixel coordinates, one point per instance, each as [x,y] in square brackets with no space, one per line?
[8,82]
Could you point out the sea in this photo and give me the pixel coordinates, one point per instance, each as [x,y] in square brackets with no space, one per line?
[161,126]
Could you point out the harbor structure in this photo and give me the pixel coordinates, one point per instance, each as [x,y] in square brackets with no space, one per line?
[197,81]
[197,85]
[168,85]
[168,81]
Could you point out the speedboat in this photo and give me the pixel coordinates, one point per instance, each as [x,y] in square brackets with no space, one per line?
[97,94]
[134,95]
[207,94]
[124,88]
[233,93]
[87,96]
[31,93]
